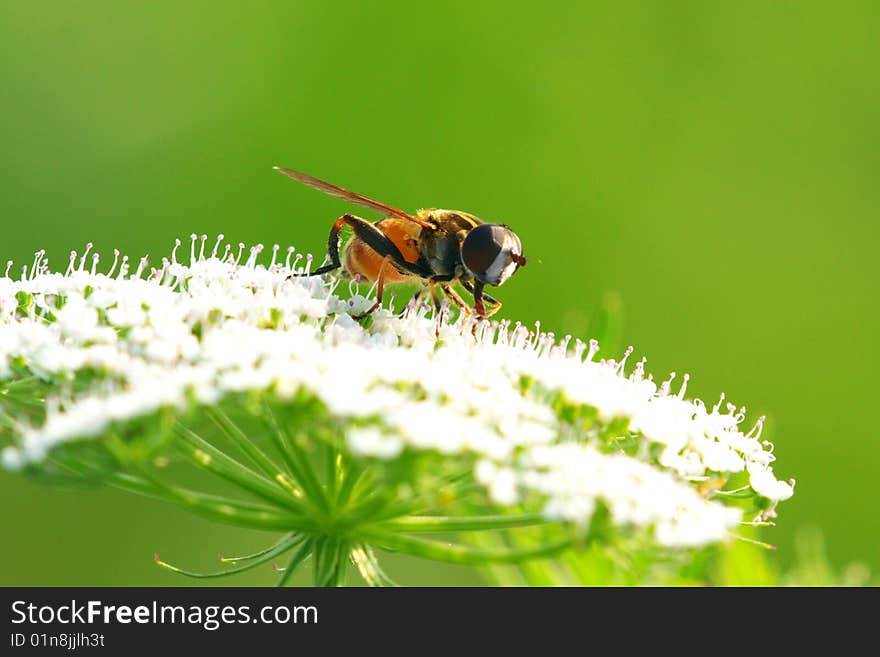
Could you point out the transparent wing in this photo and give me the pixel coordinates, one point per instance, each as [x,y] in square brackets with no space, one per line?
[353,197]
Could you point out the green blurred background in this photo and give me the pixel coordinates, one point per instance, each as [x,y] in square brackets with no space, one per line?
[712,164]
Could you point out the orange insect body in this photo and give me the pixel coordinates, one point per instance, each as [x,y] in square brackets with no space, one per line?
[361,259]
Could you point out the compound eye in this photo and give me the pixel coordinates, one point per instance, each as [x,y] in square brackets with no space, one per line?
[491,252]
[480,248]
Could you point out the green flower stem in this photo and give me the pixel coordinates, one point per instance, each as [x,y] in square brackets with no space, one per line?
[367,564]
[371,505]
[205,455]
[332,468]
[263,462]
[460,554]
[282,441]
[331,557]
[23,398]
[297,461]
[369,502]
[298,557]
[364,486]
[428,524]
[255,555]
[286,544]
[340,564]
[545,572]
[350,472]
[235,512]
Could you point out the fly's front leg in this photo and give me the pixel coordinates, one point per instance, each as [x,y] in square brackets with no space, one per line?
[454,297]
[438,279]
[380,287]
[478,300]
[479,297]
[434,281]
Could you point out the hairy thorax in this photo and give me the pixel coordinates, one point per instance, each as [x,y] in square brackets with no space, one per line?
[437,249]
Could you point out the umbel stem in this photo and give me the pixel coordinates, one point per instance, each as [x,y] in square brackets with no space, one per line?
[311,490]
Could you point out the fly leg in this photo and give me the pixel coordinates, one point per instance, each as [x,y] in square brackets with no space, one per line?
[434,281]
[370,235]
[438,279]
[380,287]
[454,297]
[479,297]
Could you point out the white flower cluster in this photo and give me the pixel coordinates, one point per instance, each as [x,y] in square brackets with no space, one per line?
[223,324]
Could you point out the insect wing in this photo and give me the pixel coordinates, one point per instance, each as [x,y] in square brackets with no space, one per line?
[353,197]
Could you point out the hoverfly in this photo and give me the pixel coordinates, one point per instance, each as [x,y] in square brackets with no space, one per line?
[435,247]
